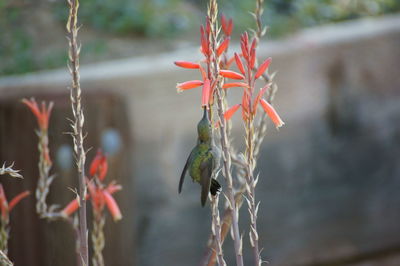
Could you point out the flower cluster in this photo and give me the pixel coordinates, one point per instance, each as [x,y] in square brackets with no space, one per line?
[249,74]
[99,194]
[42,114]
[246,79]
[208,82]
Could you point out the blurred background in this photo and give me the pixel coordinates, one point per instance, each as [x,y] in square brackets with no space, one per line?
[329,179]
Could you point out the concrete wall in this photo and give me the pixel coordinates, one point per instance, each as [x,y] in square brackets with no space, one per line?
[329,180]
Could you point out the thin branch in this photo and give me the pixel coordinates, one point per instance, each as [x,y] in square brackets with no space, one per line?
[77,125]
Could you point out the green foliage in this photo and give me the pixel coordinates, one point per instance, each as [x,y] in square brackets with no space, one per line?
[286,16]
[159,18]
[15,46]
[127,17]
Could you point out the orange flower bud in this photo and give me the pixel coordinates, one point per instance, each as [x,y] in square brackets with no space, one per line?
[258,98]
[239,63]
[189,85]
[231,111]
[223,46]
[231,74]
[186,64]
[263,67]
[235,84]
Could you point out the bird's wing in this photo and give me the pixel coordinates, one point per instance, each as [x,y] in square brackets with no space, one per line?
[188,161]
[206,169]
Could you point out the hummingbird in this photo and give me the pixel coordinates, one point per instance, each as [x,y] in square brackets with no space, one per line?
[202,161]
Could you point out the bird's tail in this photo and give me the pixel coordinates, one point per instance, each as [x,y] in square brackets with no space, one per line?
[214,187]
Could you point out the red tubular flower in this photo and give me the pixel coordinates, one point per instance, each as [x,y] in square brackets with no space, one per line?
[223,46]
[205,98]
[235,84]
[42,114]
[7,207]
[258,98]
[231,111]
[99,166]
[261,69]
[269,109]
[204,42]
[227,26]
[245,105]
[189,85]
[72,207]
[239,63]
[186,64]
[230,74]
[17,199]
[112,205]
[244,44]
[252,60]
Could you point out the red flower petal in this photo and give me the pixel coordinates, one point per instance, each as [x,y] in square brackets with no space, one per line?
[235,84]
[239,63]
[186,64]
[99,165]
[244,44]
[252,58]
[263,67]
[269,109]
[258,98]
[204,41]
[230,27]
[17,199]
[224,24]
[205,96]
[245,52]
[223,46]
[231,111]
[245,105]
[71,207]
[189,85]
[112,206]
[42,115]
[231,74]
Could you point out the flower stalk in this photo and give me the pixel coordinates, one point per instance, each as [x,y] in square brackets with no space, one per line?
[45,180]
[100,197]
[77,125]
[224,140]
[216,229]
